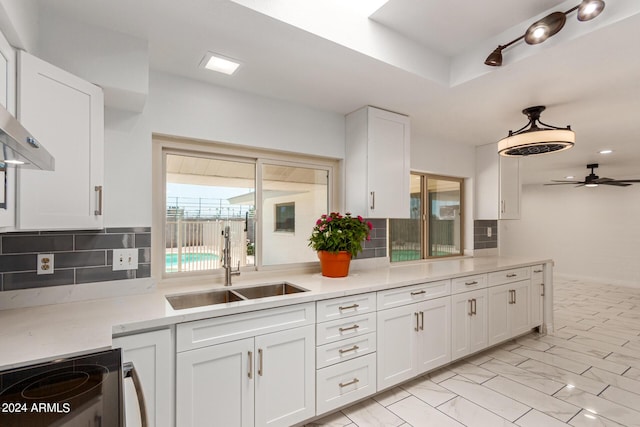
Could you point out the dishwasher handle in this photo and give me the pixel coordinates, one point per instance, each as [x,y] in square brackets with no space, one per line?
[129,371]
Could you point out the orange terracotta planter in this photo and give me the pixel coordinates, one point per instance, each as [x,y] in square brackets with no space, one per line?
[334,264]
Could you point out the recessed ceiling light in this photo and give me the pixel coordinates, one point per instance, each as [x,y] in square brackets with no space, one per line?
[219,63]
[605,151]
[569,177]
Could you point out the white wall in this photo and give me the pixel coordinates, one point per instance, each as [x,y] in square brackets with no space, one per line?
[590,233]
[188,108]
[19,23]
[441,158]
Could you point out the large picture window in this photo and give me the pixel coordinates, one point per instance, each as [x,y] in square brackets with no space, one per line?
[435,227]
[263,200]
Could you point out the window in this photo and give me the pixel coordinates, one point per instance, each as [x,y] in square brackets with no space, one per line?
[285,217]
[261,199]
[434,228]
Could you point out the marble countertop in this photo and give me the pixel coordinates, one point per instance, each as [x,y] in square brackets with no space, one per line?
[33,334]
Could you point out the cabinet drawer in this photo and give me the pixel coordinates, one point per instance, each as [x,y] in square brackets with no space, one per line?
[508,276]
[338,308]
[345,382]
[202,333]
[537,274]
[347,349]
[345,328]
[410,294]
[468,283]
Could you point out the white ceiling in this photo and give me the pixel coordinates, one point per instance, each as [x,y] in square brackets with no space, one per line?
[588,75]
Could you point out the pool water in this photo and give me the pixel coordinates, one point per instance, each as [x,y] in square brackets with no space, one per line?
[190,257]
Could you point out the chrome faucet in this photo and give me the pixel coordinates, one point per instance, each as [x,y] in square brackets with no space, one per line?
[226,259]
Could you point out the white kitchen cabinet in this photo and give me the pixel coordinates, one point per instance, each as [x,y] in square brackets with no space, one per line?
[247,378]
[468,323]
[498,184]
[413,339]
[8,100]
[377,165]
[66,114]
[509,310]
[152,355]
[537,295]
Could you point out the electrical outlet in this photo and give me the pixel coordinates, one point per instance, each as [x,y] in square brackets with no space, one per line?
[125,259]
[45,264]
[488,231]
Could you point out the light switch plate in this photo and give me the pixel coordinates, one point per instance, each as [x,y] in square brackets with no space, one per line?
[125,259]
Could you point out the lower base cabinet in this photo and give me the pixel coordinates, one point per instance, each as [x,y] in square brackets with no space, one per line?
[152,355]
[509,311]
[345,382]
[413,339]
[468,323]
[266,380]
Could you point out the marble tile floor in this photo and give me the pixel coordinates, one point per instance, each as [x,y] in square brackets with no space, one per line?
[586,373]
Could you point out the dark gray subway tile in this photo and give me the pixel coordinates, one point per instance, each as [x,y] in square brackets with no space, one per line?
[144,270]
[378,222]
[18,262]
[143,240]
[366,253]
[54,232]
[80,259]
[121,230]
[27,280]
[103,241]
[144,255]
[381,252]
[102,274]
[36,243]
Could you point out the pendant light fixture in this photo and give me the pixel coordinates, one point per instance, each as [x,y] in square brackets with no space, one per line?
[548,26]
[533,139]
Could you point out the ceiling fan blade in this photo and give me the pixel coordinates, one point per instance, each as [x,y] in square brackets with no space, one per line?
[616,183]
[627,180]
[566,182]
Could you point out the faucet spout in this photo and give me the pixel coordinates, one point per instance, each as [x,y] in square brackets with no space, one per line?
[226,258]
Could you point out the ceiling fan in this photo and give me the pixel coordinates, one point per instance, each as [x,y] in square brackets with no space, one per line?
[593,180]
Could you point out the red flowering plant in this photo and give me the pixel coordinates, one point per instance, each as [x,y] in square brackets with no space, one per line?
[335,232]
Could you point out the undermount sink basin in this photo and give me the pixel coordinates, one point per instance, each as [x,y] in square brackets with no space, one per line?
[199,299]
[223,296]
[270,290]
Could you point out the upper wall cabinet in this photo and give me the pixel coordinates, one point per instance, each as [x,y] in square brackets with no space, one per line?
[377,164]
[8,100]
[498,184]
[66,114]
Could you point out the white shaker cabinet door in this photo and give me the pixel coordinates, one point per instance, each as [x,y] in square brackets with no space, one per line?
[214,385]
[434,337]
[285,377]
[66,115]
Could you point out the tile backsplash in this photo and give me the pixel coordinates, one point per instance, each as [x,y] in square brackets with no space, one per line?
[80,256]
[481,239]
[377,246]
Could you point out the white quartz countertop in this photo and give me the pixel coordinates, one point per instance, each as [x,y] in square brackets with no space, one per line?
[33,334]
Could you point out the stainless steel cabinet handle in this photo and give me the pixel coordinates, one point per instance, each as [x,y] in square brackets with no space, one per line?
[515,297]
[348,307]
[470,313]
[538,271]
[260,371]
[510,296]
[373,200]
[250,374]
[349,328]
[422,320]
[473,305]
[418,292]
[346,350]
[417,328]
[129,371]
[511,275]
[98,188]
[353,381]
[542,292]
[471,283]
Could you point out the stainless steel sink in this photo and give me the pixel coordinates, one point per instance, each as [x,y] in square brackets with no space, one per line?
[270,290]
[199,299]
[222,296]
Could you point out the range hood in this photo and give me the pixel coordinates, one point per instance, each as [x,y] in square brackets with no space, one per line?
[19,147]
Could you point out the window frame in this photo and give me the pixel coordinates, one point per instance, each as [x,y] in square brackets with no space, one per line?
[164,144]
[425,210]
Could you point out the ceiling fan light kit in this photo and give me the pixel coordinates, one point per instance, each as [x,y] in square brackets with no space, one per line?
[533,139]
[548,26]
